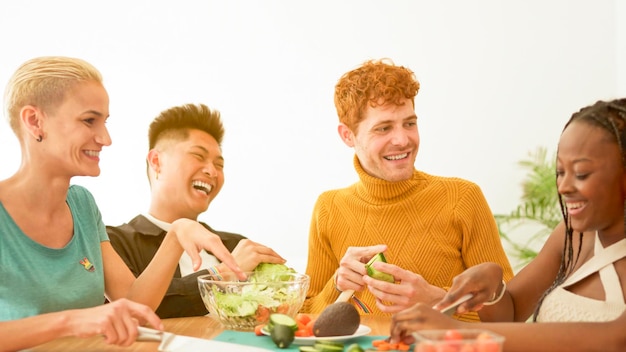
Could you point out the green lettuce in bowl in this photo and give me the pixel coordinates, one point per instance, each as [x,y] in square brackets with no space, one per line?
[242,305]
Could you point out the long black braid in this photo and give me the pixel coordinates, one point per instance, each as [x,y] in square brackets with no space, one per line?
[611,116]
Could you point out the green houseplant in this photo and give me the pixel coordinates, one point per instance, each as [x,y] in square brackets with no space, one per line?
[525,229]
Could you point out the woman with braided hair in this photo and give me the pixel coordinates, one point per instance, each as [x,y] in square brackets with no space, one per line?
[574,288]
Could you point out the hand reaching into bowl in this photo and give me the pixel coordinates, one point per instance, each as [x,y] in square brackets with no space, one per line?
[249,254]
[193,237]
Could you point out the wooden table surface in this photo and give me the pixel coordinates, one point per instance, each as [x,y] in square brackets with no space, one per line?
[204,327]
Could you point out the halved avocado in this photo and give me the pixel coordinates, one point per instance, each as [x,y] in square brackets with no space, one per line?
[379,275]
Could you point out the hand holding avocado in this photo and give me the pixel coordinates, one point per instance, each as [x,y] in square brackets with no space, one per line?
[352,267]
[376,274]
[395,288]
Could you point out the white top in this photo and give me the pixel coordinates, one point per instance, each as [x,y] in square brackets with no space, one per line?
[562,305]
[185,263]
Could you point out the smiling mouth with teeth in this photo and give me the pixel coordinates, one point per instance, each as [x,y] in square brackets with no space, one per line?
[574,206]
[397,157]
[202,186]
[92,153]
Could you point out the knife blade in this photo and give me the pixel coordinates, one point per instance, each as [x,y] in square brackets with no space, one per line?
[451,309]
[178,343]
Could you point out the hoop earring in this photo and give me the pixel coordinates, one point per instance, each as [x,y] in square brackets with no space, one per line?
[40,138]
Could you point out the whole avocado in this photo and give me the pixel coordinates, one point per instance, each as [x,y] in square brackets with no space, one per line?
[338,319]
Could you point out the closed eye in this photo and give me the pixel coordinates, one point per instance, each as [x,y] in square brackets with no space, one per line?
[198,156]
[382,129]
[582,176]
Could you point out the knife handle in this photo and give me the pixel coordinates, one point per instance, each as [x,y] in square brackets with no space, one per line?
[345,296]
[147,334]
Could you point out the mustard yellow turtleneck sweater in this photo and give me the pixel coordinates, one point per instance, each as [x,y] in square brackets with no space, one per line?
[434,226]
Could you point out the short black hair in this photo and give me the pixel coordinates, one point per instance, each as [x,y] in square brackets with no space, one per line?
[177,121]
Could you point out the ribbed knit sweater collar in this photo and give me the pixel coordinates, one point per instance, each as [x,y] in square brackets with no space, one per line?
[375,190]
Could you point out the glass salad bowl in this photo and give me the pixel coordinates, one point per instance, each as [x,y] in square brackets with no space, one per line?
[242,305]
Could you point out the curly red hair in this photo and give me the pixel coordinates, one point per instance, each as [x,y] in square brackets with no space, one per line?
[376,82]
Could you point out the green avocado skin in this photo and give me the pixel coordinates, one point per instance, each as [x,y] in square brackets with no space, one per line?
[380,257]
[282,335]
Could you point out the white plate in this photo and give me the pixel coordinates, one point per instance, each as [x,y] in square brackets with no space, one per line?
[303,341]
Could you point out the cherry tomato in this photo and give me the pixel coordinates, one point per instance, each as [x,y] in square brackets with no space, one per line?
[453,335]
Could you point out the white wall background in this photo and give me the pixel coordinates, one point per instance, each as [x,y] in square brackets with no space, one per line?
[499,78]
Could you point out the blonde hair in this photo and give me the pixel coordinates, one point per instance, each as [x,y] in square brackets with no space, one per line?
[43,82]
